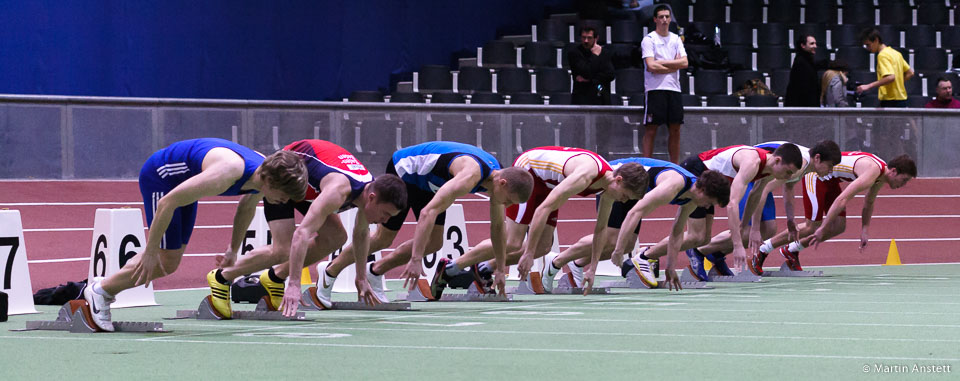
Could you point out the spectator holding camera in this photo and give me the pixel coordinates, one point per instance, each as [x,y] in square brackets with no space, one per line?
[944,97]
[892,71]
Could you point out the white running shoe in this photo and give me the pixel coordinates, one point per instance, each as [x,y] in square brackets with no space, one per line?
[548,272]
[325,287]
[576,272]
[644,269]
[376,285]
[99,306]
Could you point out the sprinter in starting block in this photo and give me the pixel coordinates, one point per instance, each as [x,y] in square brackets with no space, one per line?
[337,182]
[559,173]
[670,184]
[171,182]
[866,173]
[436,174]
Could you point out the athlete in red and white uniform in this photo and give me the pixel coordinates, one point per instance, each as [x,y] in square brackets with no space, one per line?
[338,181]
[825,205]
[559,173]
[742,165]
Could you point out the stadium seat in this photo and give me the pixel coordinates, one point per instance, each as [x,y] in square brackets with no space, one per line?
[772,34]
[748,11]
[560,98]
[890,35]
[681,10]
[365,96]
[950,37]
[779,79]
[845,35]
[862,77]
[710,82]
[630,81]
[473,78]
[526,99]
[626,31]
[774,57]
[740,56]
[399,97]
[857,12]
[914,86]
[539,54]
[549,30]
[435,77]
[690,100]
[932,12]
[783,11]
[918,101]
[929,59]
[760,101]
[499,52]
[622,55]
[821,11]
[684,81]
[486,98]
[857,58]
[741,77]
[553,80]
[869,100]
[921,36]
[723,101]
[895,12]
[710,11]
[445,97]
[513,80]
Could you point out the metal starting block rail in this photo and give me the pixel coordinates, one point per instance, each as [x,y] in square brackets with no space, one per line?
[563,287]
[633,281]
[742,277]
[206,312]
[310,303]
[75,317]
[421,293]
[786,272]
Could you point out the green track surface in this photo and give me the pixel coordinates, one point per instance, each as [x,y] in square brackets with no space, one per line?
[786,329]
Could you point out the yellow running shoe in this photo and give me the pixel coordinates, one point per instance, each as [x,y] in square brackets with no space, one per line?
[220,295]
[274,290]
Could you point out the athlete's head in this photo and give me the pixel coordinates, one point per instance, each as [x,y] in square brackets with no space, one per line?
[711,188]
[824,156]
[787,160]
[513,185]
[283,176]
[385,197]
[900,170]
[630,182]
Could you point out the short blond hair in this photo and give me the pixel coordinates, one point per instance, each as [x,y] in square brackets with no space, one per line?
[286,171]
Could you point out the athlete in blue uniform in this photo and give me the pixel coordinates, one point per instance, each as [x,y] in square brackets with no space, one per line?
[436,174]
[820,159]
[172,181]
[671,184]
[337,182]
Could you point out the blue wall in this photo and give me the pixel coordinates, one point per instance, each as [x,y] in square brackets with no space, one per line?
[305,50]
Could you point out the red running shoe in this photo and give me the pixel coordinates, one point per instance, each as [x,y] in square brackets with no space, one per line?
[793,259]
[756,263]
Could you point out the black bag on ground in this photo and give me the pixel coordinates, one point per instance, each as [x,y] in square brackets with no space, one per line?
[57,296]
[247,289]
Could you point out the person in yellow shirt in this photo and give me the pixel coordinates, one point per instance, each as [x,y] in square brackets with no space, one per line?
[892,71]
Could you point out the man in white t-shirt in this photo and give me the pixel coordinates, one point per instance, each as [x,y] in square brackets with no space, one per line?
[663,56]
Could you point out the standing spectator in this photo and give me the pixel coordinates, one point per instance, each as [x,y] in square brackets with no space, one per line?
[892,71]
[833,91]
[592,70]
[663,55]
[804,87]
[944,97]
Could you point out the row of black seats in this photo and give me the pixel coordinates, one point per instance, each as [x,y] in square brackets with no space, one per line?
[716,82]
[839,35]
[927,12]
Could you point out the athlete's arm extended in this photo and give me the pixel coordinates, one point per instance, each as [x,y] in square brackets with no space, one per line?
[669,183]
[246,209]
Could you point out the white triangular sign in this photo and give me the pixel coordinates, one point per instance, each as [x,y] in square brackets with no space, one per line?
[345,281]
[15,277]
[117,238]
[455,241]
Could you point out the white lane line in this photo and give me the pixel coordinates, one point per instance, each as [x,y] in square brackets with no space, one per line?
[501,349]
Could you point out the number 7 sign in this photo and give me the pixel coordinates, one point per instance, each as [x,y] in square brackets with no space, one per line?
[15,279]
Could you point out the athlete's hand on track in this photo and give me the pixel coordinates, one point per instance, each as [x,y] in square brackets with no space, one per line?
[792,233]
[411,273]
[149,267]
[754,241]
[365,293]
[739,258]
[523,267]
[864,238]
[500,280]
[588,273]
[817,238]
[291,299]
[227,259]
[673,281]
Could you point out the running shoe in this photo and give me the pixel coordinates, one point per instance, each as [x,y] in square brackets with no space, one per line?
[376,284]
[756,263]
[717,259]
[548,272]
[324,288]
[482,279]
[219,295]
[644,270]
[99,306]
[575,274]
[274,290]
[696,265]
[439,281]
[793,259]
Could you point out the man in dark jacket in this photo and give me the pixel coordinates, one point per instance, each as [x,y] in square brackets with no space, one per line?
[804,87]
[592,70]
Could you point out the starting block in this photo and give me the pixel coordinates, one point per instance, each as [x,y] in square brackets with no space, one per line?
[75,317]
[633,281]
[742,277]
[563,287]
[206,312]
[532,286]
[421,293]
[786,272]
[310,303]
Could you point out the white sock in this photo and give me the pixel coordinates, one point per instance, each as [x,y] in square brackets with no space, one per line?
[99,290]
[767,247]
[795,247]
